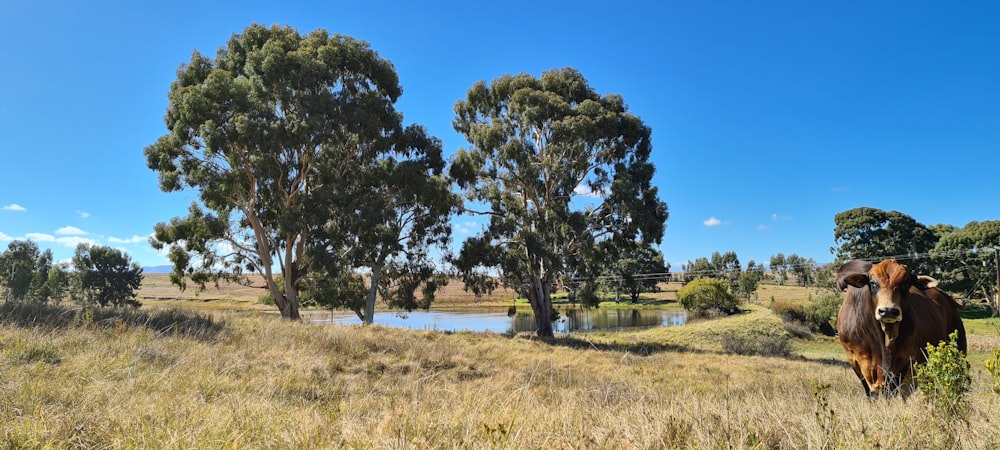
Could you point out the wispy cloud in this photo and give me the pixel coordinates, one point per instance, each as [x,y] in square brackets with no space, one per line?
[584,191]
[5,237]
[465,228]
[73,241]
[70,231]
[66,238]
[40,237]
[135,239]
[763,227]
[14,207]
[83,214]
[775,217]
[712,222]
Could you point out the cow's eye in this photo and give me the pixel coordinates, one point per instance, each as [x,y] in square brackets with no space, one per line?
[874,285]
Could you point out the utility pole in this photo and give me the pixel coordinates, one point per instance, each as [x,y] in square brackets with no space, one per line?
[996,291]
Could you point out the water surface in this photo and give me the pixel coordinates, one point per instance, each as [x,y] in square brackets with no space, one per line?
[570,320]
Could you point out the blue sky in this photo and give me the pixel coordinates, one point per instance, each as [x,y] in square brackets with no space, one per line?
[768,117]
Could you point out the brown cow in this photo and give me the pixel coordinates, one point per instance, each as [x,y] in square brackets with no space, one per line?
[886,321]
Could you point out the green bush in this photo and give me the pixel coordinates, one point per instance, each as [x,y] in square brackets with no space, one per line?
[993,367]
[819,312]
[944,378]
[703,295]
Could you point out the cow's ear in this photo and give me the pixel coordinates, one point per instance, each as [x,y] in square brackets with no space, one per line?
[925,282]
[857,280]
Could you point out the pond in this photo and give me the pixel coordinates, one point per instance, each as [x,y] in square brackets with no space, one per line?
[570,320]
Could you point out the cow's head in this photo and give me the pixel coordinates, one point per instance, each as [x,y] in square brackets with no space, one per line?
[890,284]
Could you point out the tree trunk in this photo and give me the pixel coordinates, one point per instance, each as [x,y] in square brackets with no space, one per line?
[539,295]
[369,316]
[290,309]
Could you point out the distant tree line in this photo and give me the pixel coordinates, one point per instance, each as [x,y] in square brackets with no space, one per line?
[97,275]
[965,260]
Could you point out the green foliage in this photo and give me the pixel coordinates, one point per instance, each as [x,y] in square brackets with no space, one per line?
[972,272]
[779,268]
[803,268]
[707,294]
[993,368]
[944,378]
[300,160]
[630,267]
[24,272]
[870,233]
[536,145]
[105,276]
[820,311]
[346,290]
[749,279]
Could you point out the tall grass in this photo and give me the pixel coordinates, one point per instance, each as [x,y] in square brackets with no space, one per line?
[259,382]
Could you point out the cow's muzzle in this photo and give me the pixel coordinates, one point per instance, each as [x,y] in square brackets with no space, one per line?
[889,314]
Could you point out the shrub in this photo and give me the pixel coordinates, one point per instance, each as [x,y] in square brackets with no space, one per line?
[993,367]
[707,294]
[764,344]
[944,378]
[788,310]
[820,311]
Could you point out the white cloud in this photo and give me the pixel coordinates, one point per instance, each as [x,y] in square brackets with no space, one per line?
[14,207]
[5,237]
[585,191]
[83,214]
[775,217]
[70,231]
[712,222]
[762,227]
[40,237]
[135,239]
[73,241]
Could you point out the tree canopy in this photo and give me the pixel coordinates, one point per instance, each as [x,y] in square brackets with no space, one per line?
[870,233]
[968,261]
[106,276]
[559,169]
[301,163]
[635,268]
[24,271]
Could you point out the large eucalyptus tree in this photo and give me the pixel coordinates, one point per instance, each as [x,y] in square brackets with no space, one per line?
[559,170]
[279,134]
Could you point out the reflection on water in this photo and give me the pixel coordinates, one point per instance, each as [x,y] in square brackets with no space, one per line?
[570,320]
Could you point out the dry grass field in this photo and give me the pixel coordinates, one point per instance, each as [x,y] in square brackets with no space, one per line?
[226,378]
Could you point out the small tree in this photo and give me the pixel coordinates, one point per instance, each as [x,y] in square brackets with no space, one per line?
[803,268]
[749,280]
[706,294]
[636,268]
[106,276]
[779,268]
[24,271]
